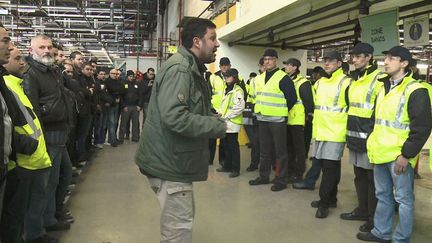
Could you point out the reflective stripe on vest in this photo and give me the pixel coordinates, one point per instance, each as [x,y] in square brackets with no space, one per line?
[270,100]
[335,107]
[39,159]
[297,116]
[367,104]
[226,106]
[36,132]
[218,87]
[391,128]
[362,135]
[330,114]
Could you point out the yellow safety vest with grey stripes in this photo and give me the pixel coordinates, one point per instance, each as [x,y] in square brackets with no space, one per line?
[40,158]
[296,115]
[218,86]
[270,100]
[362,94]
[391,128]
[228,103]
[330,114]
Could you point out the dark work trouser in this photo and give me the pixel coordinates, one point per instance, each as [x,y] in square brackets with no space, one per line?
[255,150]
[307,137]
[65,179]
[365,188]
[273,138]
[33,190]
[232,152]
[212,148]
[24,191]
[83,129]
[331,173]
[132,114]
[296,151]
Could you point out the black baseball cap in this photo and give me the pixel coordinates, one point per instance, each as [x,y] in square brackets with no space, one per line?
[270,53]
[130,73]
[362,48]
[399,51]
[293,61]
[224,61]
[232,72]
[332,55]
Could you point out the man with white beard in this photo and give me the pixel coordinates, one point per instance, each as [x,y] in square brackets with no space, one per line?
[44,88]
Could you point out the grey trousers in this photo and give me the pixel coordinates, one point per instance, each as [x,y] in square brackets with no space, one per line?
[177,210]
[126,116]
[273,137]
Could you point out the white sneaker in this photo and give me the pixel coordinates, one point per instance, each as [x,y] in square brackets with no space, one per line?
[100,146]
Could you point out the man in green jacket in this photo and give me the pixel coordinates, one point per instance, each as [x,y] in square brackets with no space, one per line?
[173,150]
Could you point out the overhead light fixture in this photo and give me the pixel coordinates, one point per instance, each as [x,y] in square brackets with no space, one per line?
[270,36]
[364,7]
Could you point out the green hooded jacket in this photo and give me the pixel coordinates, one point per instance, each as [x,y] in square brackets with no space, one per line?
[179,123]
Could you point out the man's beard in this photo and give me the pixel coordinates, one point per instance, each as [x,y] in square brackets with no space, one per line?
[47,60]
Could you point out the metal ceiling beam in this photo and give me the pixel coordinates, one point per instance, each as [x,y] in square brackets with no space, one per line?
[327,28]
[293,20]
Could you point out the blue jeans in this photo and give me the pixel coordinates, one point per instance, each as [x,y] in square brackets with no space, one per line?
[313,173]
[385,181]
[57,154]
[37,202]
[112,123]
[100,124]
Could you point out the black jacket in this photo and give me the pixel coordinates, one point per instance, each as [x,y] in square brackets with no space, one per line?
[44,87]
[103,96]
[356,123]
[146,90]
[132,95]
[83,94]
[115,88]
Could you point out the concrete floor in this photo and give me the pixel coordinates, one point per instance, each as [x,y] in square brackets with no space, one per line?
[114,204]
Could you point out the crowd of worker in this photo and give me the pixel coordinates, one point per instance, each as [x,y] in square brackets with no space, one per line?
[383,117]
[56,112]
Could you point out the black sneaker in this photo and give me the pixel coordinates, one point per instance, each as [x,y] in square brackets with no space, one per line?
[316,204]
[322,212]
[368,236]
[59,226]
[252,168]
[354,215]
[366,227]
[259,181]
[303,186]
[234,174]
[222,169]
[278,187]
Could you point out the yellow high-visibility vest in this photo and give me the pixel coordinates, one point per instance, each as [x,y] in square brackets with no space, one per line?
[40,158]
[218,86]
[270,100]
[228,103]
[296,115]
[391,128]
[330,114]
